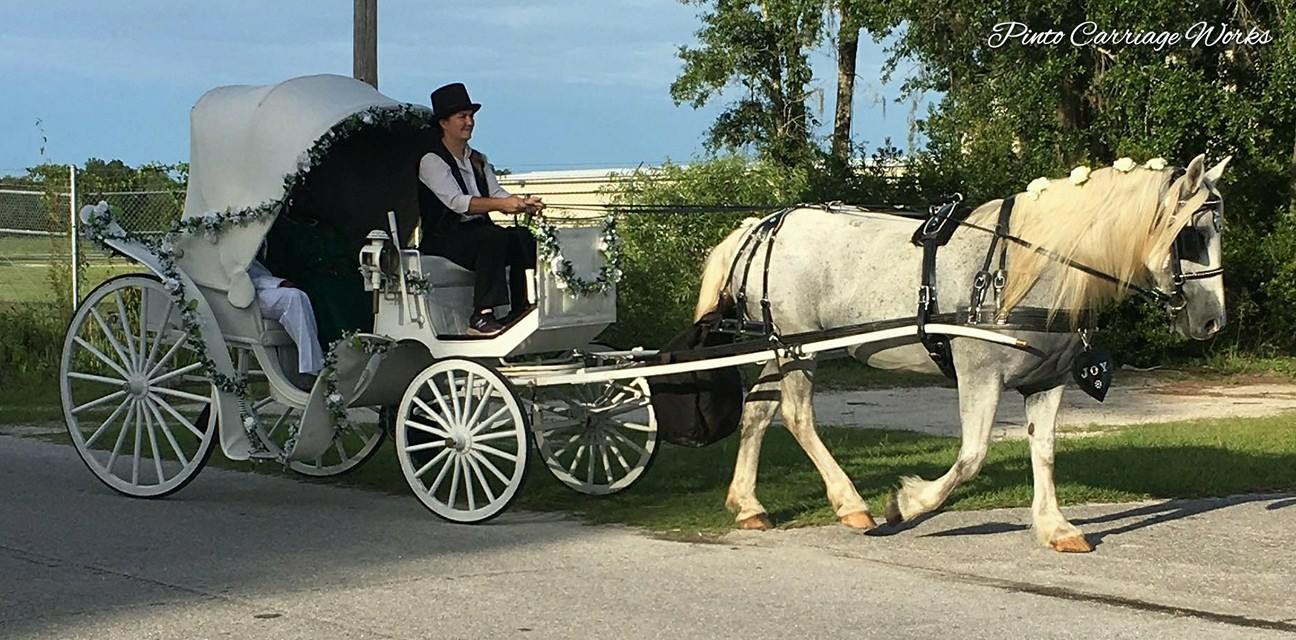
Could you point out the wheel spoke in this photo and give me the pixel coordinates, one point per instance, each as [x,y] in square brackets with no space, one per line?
[102,358]
[94,403]
[490,466]
[481,479]
[636,426]
[181,394]
[280,421]
[171,352]
[143,333]
[139,440]
[628,442]
[607,467]
[176,414]
[498,435]
[425,446]
[435,459]
[157,338]
[616,455]
[481,405]
[485,448]
[104,427]
[94,378]
[622,408]
[445,469]
[340,449]
[589,466]
[454,398]
[177,372]
[454,482]
[468,484]
[468,395]
[166,432]
[567,445]
[576,461]
[153,446]
[488,422]
[112,339]
[121,437]
[440,418]
[427,428]
[124,321]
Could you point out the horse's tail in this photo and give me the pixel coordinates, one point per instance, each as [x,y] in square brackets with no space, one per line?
[712,293]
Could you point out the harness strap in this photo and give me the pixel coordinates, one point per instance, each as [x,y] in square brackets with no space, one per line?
[933,234]
[982,281]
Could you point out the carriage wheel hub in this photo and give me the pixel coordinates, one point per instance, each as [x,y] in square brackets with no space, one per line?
[136,386]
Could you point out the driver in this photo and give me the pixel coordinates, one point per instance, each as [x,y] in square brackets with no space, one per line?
[457,191]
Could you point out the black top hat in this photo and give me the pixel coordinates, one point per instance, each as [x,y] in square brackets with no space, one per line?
[452,99]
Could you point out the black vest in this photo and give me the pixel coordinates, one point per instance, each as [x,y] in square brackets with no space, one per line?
[434,215]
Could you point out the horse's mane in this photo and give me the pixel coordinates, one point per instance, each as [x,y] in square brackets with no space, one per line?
[1114,222]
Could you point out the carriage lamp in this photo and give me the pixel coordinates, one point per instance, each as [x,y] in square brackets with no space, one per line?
[371,260]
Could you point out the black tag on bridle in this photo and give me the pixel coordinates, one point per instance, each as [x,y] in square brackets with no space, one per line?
[1092,370]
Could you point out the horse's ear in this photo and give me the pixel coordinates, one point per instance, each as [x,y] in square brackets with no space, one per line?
[1192,179]
[1217,171]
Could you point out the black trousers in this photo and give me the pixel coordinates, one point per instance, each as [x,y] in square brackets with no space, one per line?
[486,248]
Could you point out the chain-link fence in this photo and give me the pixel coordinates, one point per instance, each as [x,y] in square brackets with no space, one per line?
[40,261]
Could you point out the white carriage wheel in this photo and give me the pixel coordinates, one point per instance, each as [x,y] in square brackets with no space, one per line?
[352,446]
[136,404]
[461,438]
[597,439]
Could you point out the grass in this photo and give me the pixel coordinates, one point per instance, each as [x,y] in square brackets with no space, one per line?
[684,491]
[27,282]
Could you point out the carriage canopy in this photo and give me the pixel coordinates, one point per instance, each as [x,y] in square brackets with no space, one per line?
[322,147]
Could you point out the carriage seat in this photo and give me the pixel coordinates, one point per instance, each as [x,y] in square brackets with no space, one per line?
[441,272]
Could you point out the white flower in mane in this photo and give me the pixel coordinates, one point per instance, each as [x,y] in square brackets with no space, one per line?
[1080,175]
[1155,164]
[1036,187]
[1124,165]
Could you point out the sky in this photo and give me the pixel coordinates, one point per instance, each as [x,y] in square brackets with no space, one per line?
[566,84]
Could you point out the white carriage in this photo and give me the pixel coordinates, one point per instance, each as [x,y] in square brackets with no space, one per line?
[157,367]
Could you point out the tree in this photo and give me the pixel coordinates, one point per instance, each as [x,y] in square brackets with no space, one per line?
[759,46]
[1010,113]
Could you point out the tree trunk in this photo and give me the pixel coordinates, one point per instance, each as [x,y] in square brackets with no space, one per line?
[364,65]
[847,51]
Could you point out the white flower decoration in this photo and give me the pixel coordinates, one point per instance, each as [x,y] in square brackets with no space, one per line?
[1036,187]
[249,422]
[1124,165]
[1080,175]
[335,398]
[560,283]
[1155,164]
[556,263]
[366,118]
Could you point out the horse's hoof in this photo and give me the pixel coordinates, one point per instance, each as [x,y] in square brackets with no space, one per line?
[861,520]
[1074,544]
[893,510]
[758,522]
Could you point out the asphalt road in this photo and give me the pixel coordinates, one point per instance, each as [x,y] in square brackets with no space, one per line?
[246,556]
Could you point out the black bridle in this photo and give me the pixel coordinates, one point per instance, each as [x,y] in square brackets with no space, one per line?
[1190,244]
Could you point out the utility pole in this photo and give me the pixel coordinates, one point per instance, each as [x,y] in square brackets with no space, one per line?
[365,45]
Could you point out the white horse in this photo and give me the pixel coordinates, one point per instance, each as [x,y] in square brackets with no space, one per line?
[833,268]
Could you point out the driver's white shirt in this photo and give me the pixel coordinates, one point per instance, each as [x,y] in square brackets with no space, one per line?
[436,174]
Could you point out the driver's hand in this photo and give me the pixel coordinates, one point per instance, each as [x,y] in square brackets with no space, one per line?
[534,203]
[514,204]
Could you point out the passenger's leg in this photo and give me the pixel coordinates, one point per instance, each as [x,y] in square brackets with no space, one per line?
[292,309]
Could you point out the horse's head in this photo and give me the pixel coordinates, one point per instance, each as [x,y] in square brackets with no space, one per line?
[1189,268]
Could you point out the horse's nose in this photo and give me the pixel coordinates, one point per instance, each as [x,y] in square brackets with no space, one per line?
[1212,326]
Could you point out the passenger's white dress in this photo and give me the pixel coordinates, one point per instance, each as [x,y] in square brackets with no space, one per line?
[292,308]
